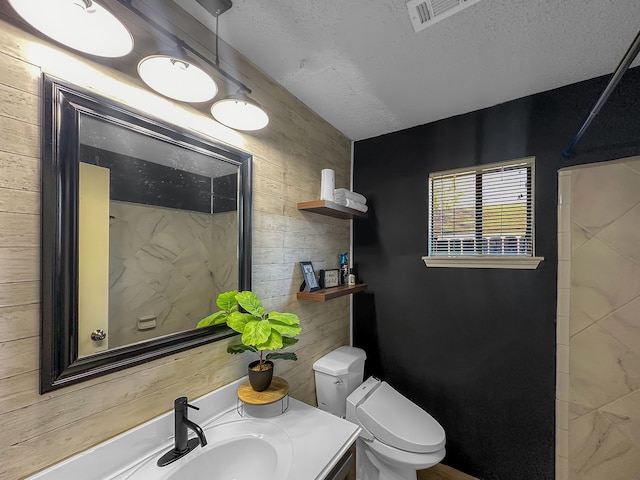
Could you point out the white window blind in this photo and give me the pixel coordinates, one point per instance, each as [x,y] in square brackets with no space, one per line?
[487,210]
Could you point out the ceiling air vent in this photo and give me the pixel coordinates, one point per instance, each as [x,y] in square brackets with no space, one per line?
[424,13]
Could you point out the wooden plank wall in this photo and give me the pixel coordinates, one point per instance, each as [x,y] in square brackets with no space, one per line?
[40,430]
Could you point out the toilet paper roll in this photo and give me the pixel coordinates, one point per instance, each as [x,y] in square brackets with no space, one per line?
[327,184]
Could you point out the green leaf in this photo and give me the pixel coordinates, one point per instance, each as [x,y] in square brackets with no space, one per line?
[240,348]
[251,303]
[206,321]
[281,356]
[285,318]
[288,341]
[238,321]
[273,342]
[227,301]
[289,330]
[220,317]
[256,333]
[213,319]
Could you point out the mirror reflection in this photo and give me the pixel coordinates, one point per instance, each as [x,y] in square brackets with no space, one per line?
[157,235]
[143,225]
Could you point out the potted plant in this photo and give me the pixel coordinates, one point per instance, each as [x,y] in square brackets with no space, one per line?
[260,331]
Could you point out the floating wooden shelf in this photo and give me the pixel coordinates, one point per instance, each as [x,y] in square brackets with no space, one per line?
[331,209]
[330,293]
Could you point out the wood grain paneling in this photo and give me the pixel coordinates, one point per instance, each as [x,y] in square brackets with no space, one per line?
[19,74]
[22,230]
[19,137]
[19,172]
[19,322]
[19,356]
[40,430]
[19,201]
[17,104]
[19,264]
[20,293]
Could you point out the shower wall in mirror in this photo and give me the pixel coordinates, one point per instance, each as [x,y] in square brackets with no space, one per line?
[146,226]
[166,269]
[171,229]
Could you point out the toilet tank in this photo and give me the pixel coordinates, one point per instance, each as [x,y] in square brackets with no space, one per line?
[338,374]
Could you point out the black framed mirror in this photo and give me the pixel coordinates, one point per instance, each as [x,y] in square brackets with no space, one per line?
[143,224]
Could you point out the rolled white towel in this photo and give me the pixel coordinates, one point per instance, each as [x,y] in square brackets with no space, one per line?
[343,193]
[352,204]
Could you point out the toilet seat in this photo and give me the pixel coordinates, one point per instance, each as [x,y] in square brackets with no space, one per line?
[399,423]
[403,459]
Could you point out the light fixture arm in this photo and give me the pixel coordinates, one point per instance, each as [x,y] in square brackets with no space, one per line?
[181,43]
[217,30]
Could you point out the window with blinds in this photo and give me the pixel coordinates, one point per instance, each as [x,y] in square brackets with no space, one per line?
[487,210]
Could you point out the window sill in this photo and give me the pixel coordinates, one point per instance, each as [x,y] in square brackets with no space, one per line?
[523,263]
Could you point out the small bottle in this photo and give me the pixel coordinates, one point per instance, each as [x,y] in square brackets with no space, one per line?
[344,269]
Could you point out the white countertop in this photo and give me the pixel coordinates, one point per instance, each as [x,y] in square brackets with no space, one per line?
[318,438]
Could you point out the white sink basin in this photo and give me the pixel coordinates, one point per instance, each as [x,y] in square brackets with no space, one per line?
[243,449]
[303,443]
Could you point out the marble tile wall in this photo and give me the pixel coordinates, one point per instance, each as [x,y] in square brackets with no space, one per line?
[562,325]
[598,414]
[168,263]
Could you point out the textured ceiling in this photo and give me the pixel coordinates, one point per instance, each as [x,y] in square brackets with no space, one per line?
[361,67]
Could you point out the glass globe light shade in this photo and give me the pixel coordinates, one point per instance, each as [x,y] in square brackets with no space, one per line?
[240,113]
[83,25]
[177,78]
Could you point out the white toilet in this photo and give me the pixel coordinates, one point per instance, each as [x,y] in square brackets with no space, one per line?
[398,437]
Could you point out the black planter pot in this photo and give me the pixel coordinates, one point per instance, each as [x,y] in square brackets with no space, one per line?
[260,379]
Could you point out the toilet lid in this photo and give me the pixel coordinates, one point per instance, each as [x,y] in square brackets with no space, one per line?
[396,421]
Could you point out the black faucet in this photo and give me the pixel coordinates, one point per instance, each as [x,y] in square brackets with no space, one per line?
[182,423]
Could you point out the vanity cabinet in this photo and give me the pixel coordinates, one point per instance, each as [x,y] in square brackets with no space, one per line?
[346,467]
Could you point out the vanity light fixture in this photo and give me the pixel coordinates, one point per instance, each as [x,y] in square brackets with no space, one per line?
[83,25]
[174,76]
[239,112]
[86,26]
[236,111]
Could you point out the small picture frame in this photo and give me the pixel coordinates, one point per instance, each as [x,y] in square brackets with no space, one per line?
[310,282]
[329,278]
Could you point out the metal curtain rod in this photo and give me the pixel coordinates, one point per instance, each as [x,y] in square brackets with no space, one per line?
[613,82]
[186,46]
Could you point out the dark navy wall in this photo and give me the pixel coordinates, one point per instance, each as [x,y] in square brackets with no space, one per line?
[476,347]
